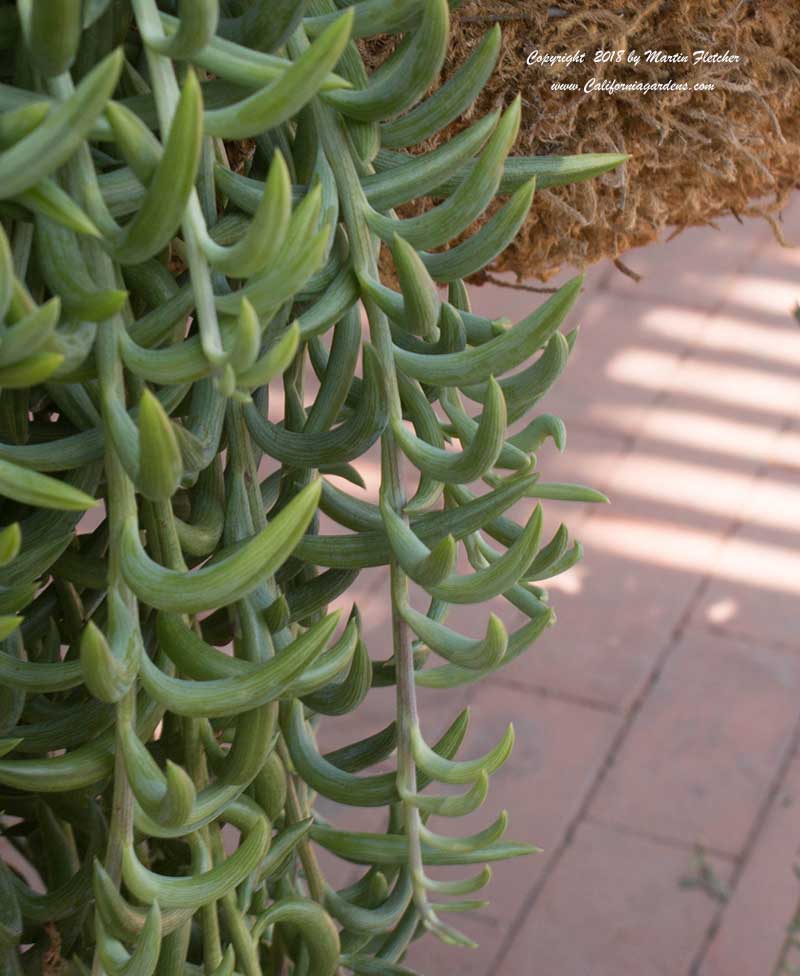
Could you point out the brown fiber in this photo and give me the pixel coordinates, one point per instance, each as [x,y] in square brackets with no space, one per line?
[695,156]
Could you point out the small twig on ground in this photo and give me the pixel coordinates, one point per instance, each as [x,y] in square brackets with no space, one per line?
[704,877]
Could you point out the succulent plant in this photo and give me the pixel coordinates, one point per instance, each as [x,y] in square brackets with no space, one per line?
[193,203]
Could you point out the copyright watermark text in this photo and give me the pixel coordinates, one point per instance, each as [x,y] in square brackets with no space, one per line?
[631,58]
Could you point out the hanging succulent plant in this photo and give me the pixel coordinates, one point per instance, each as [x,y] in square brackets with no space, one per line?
[150,292]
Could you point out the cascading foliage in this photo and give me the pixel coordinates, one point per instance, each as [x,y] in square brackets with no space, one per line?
[193,202]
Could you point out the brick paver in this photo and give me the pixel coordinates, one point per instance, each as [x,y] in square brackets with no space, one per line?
[558,750]
[615,906]
[625,373]
[766,894]
[763,548]
[615,605]
[699,759]
[662,710]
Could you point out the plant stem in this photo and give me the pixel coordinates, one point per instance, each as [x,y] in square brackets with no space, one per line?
[120,499]
[354,205]
[296,813]
[167,93]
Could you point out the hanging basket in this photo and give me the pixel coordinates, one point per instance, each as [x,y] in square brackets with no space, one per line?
[730,146]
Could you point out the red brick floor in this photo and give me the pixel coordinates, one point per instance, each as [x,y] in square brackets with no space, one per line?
[658,723]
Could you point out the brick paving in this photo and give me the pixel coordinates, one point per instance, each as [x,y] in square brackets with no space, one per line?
[658,723]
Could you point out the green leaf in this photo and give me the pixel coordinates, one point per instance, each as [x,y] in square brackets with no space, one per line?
[51,144]
[226,580]
[499,355]
[52,33]
[197,24]
[406,76]
[285,97]
[478,456]
[265,236]
[389,849]
[448,102]
[316,930]
[10,541]
[461,771]
[160,461]
[32,488]
[234,695]
[442,223]
[159,214]
[202,888]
